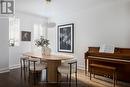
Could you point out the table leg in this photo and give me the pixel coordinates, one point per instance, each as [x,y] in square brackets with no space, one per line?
[52,69]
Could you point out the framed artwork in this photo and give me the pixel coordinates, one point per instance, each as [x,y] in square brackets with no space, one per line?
[66,38]
[25,36]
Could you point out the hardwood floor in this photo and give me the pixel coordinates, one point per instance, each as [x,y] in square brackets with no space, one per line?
[14,79]
[99,81]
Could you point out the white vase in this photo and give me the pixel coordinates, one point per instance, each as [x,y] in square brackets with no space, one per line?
[43,50]
[46,51]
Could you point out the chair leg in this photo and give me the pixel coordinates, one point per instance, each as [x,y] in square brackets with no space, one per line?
[21,62]
[29,76]
[24,63]
[24,66]
[67,80]
[46,75]
[70,77]
[67,77]
[24,75]
[21,66]
[28,71]
[70,80]
[34,74]
[76,78]
[59,83]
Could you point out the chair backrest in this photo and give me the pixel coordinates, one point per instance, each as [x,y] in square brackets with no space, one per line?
[72,64]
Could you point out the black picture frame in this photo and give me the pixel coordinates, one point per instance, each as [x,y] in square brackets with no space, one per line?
[65,38]
[25,36]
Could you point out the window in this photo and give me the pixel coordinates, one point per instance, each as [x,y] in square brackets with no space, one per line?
[14,31]
[38,31]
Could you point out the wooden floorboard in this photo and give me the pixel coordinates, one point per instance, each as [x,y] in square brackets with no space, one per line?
[15,79]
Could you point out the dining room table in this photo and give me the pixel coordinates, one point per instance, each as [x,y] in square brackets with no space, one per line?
[53,61]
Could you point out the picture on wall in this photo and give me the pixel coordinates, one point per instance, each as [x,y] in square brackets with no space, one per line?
[66,38]
[25,36]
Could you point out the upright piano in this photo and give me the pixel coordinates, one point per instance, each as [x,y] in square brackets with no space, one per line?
[119,59]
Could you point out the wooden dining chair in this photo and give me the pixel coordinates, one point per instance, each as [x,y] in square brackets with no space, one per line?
[36,66]
[23,62]
[68,68]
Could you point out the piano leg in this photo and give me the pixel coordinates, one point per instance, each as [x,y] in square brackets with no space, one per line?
[114,78]
[90,73]
[85,66]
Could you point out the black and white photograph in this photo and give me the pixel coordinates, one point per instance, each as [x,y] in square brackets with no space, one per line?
[25,36]
[66,38]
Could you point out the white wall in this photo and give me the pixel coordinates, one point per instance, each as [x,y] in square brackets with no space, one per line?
[4,50]
[96,22]
[27,22]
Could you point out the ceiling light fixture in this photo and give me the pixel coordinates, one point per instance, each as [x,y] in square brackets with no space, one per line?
[48,0]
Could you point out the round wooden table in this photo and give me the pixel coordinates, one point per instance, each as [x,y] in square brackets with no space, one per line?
[53,61]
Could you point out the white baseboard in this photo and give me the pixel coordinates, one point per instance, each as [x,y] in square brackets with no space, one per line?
[7,69]
[14,66]
[3,70]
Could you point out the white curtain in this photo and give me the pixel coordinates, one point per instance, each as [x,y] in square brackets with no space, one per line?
[14,30]
[38,31]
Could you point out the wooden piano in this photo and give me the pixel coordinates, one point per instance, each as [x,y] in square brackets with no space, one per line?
[119,59]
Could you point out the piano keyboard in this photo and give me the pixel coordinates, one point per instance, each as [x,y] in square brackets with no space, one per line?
[121,60]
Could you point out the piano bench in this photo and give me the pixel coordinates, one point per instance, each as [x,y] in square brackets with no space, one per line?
[104,69]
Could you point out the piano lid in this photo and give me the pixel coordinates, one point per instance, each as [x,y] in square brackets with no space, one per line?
[118,53]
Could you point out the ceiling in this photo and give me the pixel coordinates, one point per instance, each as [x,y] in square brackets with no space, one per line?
[37,7]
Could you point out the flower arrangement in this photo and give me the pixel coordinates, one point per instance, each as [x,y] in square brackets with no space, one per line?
[42,42]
